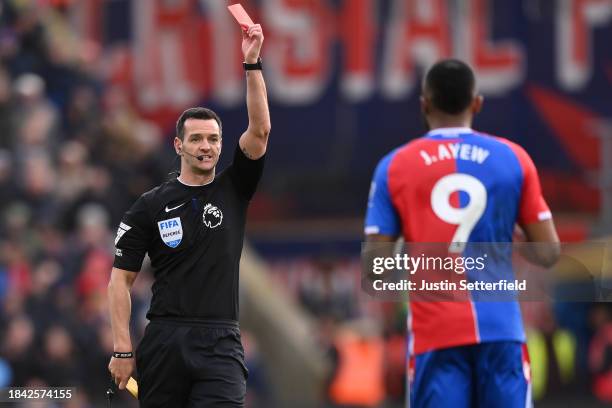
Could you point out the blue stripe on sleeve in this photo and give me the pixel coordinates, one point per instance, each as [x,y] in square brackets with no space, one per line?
[381,216]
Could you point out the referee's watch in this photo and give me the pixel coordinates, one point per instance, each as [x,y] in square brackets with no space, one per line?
[253,67]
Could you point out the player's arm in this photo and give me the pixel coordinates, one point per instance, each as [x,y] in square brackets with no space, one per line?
[545,248]
[382,222]
[254,140]
[535,218]
[120,307]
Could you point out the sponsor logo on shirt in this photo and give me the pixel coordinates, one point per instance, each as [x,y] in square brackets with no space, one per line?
[171,231]
[212,216]
[123,228]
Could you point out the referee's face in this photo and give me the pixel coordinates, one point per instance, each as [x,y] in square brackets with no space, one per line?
[201,138]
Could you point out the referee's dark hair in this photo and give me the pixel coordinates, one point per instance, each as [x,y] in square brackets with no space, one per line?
[450,85]
[195,113]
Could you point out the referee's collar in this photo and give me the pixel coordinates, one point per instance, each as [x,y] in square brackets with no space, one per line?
[449,131]
[194,185]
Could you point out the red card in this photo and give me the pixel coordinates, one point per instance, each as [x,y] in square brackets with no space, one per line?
[241,16]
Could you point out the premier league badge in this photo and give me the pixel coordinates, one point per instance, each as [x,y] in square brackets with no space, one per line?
[171,231]
[212,216]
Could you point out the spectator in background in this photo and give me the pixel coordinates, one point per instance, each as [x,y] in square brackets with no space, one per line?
[40,304]
[72,171]
[58,365]
[7,122]
[325,293]
[38,185]
[258,388]
[17,349]
[357,380]
[553,357]
[8,187]
[600,353]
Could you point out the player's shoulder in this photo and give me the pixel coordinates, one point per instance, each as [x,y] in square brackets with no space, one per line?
[501,142]
[382,168]
[388,157]
[414,145]
[401,155]
[518,152]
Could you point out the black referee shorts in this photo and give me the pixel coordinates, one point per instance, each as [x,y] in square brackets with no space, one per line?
[187,363]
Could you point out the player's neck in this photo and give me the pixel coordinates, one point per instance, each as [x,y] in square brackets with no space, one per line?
[449,121]
[192,179]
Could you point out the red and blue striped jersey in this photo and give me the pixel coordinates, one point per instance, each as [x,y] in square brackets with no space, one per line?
[457,185]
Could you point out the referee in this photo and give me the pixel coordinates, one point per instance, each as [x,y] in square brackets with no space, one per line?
[193,229]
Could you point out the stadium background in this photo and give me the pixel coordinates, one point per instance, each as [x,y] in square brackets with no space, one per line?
[89,91]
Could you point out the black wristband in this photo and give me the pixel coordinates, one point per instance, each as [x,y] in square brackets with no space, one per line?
[253,67]
[118,354]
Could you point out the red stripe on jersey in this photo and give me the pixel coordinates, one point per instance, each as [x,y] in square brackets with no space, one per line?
[410,183]
[435,324]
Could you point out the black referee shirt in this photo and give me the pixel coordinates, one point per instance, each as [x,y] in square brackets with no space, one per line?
[194,237]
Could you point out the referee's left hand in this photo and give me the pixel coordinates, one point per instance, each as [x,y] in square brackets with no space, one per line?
[121,369]
[252,39]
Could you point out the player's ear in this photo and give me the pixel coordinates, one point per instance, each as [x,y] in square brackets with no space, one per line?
[424,105]
[477,103]
[178,145]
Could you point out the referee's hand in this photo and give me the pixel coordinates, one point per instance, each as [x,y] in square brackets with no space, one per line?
[121,369]
[252,40]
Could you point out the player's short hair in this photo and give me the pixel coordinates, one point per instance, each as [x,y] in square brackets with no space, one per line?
[451,85]
[195,113]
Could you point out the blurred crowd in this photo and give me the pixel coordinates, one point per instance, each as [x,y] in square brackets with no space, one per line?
[74,155]
[365,340]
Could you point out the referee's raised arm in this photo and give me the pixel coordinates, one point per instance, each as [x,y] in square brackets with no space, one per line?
[254,140]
